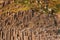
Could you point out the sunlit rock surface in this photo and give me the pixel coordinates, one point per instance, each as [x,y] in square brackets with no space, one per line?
[26,25]
[17,23]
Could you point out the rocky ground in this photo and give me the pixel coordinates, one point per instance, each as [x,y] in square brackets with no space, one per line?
[29,25]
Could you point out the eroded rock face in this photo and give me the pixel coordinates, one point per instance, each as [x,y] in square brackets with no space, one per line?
[28,25]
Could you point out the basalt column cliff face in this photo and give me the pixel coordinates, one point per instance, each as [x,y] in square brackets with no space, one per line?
[29,25]
[29,20]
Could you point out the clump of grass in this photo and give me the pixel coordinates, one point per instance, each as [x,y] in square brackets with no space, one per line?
[58,31]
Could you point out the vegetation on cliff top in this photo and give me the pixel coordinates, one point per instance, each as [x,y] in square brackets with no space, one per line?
[23,5]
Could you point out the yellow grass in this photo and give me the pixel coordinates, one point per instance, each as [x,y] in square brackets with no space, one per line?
[14,8]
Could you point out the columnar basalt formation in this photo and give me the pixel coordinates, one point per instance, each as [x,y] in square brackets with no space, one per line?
[28,25]
[20,21]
